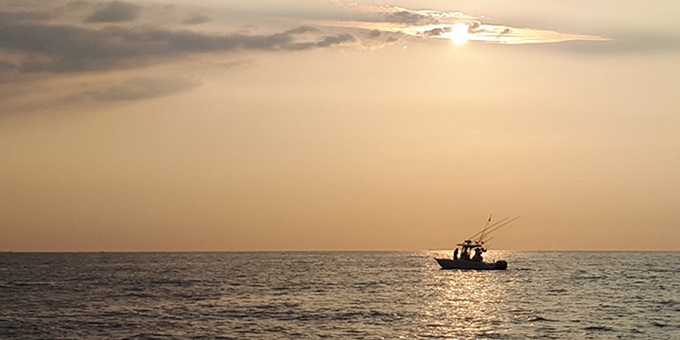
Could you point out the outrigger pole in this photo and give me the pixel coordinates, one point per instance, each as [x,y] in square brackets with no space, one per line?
[499,226]
[486,226]
[491,226]
[489,240]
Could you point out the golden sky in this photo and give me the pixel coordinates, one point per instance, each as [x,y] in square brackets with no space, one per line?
[336,125]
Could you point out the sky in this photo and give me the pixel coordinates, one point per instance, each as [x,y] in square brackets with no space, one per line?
[282,125]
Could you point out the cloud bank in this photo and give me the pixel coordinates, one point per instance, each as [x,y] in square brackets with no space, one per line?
[33,42]
[115,11]
[112,35]
[428,24]
[39,39]
[72,49]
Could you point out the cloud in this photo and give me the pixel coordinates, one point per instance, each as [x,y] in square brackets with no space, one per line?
[407,17]
[196,19]
[630,42]
[115,11]
[475,27]
[435,32]
[431,24]
[335,40]
[22,16]
[73,39]
[64,37]
[53,48]
[504,31]
[45,45]
[138,88]
[403,16]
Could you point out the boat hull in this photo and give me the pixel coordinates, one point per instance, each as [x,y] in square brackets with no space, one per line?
[474,265]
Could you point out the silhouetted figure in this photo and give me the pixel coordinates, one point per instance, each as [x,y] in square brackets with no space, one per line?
[478,255]
[465,255]
[455,254]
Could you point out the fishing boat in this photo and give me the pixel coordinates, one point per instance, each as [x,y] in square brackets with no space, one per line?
[476,245]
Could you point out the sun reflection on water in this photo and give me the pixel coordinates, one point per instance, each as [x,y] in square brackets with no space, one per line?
[466,303]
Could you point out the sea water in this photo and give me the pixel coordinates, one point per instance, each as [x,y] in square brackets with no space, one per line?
[339,295]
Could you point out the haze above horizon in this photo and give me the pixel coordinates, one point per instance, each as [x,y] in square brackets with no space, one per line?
[338,125]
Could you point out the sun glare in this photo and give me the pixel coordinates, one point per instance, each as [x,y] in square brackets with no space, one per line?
[459,34]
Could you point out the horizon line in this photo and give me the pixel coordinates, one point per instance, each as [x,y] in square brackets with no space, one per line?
[327,251]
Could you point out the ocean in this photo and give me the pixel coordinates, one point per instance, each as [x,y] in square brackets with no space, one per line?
[338,295]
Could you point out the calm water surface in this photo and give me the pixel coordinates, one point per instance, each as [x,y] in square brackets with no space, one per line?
[352,295]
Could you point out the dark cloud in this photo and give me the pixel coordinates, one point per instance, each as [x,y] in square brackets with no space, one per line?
[392,39]
[335,40]
[475,27]
[504,32]
[435,32]
[115,11]
[302,29]
[196,19]
[23,16]
[73,49]
[408,17]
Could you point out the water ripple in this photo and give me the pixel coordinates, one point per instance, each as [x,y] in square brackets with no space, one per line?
[348,295]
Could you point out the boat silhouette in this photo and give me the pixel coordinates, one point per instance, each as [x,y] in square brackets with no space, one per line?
[476,262]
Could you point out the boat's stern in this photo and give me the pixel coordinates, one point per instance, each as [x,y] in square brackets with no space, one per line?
[500,265]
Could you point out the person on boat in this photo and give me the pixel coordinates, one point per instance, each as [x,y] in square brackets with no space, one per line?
[455,254]
[478,255]
[464,255]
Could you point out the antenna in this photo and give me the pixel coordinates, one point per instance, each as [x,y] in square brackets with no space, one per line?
[484,230]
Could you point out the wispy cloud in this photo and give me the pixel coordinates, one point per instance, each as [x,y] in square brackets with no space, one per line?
[138,88]
[428,24]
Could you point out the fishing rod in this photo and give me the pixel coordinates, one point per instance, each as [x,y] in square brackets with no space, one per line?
[490,238]
[491,226]
[486,226]
[487,242]
[501,225]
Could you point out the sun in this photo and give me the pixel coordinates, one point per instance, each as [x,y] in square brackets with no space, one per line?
[459,34]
